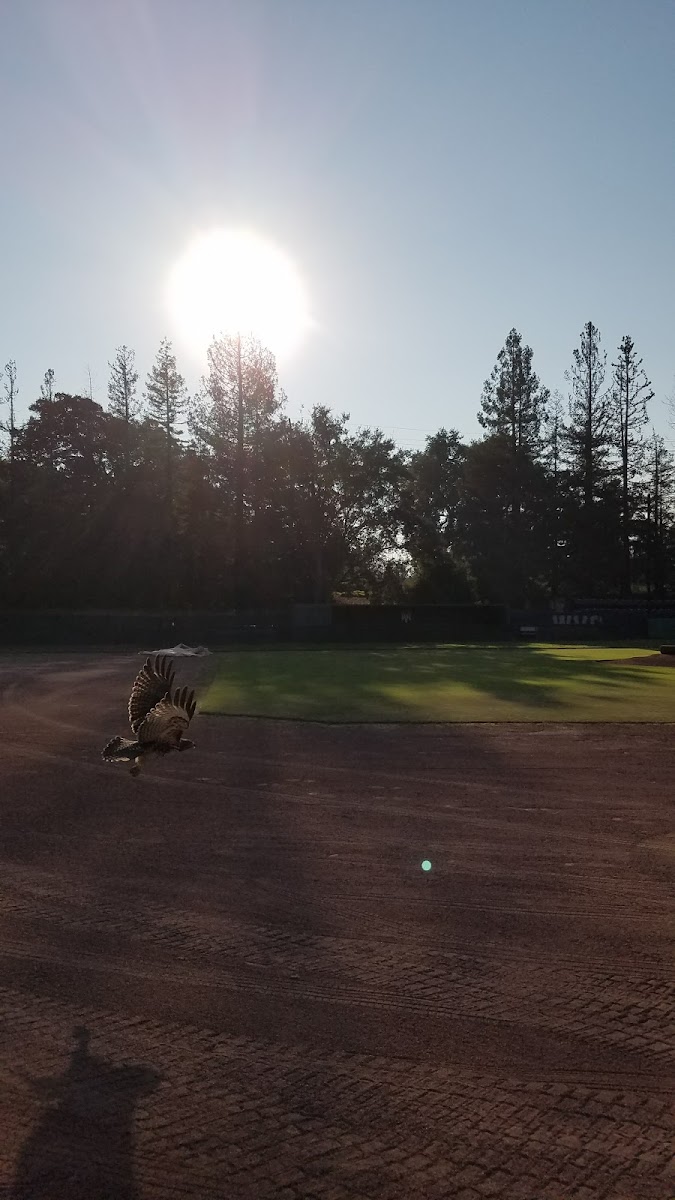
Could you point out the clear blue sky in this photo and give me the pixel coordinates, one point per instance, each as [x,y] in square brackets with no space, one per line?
[440,170]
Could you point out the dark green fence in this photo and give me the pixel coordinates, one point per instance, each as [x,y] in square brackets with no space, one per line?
[141,630]
[303,623]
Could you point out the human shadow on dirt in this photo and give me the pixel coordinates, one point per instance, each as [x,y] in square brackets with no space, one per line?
[82,1145]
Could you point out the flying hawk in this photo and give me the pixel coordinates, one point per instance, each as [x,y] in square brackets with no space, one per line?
[158,716]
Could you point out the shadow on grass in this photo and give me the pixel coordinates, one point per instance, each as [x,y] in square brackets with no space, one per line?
[402,683]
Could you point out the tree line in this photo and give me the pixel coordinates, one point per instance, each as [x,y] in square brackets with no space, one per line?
[222,500]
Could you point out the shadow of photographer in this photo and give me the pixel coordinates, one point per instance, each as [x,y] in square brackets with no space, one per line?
[82,1144]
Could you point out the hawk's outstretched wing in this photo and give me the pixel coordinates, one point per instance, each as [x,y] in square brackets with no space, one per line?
[168,720]
[151,685]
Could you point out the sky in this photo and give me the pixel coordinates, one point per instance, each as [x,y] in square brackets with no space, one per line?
[439,171]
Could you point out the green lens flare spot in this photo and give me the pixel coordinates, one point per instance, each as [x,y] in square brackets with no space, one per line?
[426,865]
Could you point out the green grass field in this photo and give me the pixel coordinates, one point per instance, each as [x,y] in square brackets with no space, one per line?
[527,682]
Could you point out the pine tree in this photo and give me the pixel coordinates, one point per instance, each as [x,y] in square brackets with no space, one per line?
[659,503]
[122,402]
[631,391]
[589,433]
[11,393]
[554,450]
[589,439]
[514,402]
[47,385]
[513,411]
[239,401]
[166,399]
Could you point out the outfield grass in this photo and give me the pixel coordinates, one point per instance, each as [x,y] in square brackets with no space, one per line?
[530,682]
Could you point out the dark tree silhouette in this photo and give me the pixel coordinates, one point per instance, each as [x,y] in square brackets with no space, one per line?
[589,439]
[431,524]
[238,402]
[122,402]
[47,385]
[166,400]
[513,410]
[514,402]
[631,392]
[111,509]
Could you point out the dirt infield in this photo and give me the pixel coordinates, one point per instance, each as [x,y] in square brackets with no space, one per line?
[231,980]
[646,660]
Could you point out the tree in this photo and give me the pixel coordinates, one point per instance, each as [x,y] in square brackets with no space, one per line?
[47,385]
[166,399]
[554,451]
[239,401]
[430,505]
[337,498]
[514,402]
[11,392]
[507,558]
[122,402]
[631,391]
[122,385]
[589,432]
[659,513]
[62,451]
[9,426]
[513,411]
[588,439]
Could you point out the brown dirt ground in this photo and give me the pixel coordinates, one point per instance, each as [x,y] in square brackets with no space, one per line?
[647,660]
[231,980]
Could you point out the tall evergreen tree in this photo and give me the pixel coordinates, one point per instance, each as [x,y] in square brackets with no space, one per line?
[554,451]
[166,399]
[239,400]
[589,433]
[514,402]
[122,402]
[589,439]
[47,385]
[660,490]
[513,411]
[631,391]
[11,393]
[9,426]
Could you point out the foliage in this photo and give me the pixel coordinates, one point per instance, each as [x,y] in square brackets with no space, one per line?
[631,391]
[122,385]
[116,508]
[513,404]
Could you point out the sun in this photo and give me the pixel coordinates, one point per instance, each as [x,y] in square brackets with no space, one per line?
[233,281]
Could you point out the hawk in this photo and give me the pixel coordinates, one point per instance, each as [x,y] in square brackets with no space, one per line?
[158,716]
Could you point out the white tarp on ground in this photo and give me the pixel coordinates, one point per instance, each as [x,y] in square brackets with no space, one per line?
[181,651]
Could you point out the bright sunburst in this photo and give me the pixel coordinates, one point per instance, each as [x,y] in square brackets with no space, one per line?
[233,281]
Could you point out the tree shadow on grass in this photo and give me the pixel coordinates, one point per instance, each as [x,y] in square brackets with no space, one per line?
[520,674]
[392,683]
[82,1145]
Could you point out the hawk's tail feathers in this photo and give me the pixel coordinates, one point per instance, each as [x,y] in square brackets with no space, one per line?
[120,749]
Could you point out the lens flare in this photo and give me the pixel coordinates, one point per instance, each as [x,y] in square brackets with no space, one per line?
[425,865]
